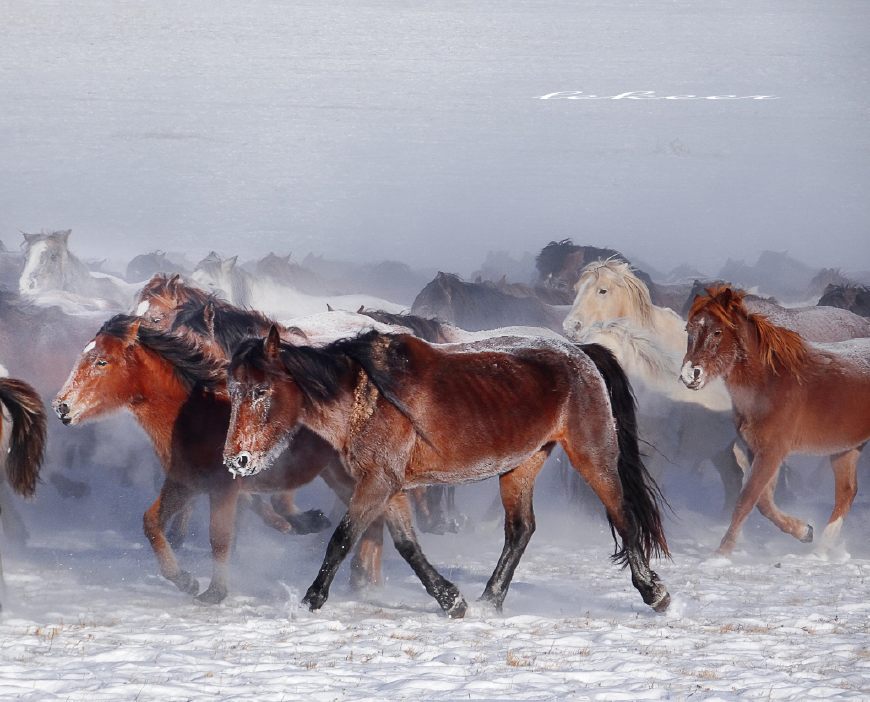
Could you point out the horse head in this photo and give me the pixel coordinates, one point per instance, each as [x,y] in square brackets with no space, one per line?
[267,405]
[607,290]
[103,378]
[47,262]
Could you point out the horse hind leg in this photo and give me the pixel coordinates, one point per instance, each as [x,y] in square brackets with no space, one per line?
[603,477]
[845,467]
[365,567]
[311,521]
[516,488]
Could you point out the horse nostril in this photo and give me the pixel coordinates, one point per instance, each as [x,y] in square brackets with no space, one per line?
[63,409]
[697,373]
[243,459]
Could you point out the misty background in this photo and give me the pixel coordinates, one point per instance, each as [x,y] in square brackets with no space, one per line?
[381,130]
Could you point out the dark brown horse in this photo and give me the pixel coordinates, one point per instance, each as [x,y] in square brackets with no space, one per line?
[477,306]
[848,296]
[178,396]
[26,435]
[789,396]
[403,413]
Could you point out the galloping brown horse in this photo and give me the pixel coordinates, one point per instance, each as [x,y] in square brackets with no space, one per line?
[789,397]
[403,413]
[178,395]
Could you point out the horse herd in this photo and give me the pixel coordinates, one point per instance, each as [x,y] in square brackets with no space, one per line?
[384,404]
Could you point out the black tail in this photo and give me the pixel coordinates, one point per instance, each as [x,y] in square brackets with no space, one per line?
[641,495]
[27,440]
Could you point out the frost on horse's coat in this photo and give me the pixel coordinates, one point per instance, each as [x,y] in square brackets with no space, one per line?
[447,414]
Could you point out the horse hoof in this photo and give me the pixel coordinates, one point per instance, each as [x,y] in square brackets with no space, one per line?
[458,609]
[663,603]
[185,582]
[807,538]
[212,596]
[313,599]
[309,522]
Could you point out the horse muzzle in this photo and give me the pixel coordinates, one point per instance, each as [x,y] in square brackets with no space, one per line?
[63,412]
[572,328]
[693,376]
[241,464]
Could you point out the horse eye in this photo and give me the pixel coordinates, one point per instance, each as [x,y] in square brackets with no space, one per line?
[101,362]
[718,332]
[156,319]
[259,392]
[602,291]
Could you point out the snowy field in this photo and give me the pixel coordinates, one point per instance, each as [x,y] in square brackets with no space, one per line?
[86,617]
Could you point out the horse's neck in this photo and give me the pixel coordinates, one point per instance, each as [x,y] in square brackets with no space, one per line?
[157,407]
[76,275]
[750,375]
[336,420]
[670,330]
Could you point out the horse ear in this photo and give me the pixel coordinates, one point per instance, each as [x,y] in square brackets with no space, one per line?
[230,263]
[30,238]
[361,308]
[329,308]
[288,257]
[133,331]
[208,317]
[272,345]
[64,235]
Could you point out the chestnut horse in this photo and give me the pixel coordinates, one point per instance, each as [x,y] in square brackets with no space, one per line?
[219,326]
[402,413]
[789,396]
[178,395]
[26,438]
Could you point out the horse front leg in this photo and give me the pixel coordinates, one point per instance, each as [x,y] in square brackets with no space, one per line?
[516,489]
[370,497]
[765,466]
[793,526]
[172,499]
[223,502]
[400,523]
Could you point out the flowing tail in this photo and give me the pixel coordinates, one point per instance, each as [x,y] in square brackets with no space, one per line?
[641,495]
[27,440]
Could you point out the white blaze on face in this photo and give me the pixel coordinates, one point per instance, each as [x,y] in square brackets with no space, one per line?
[142,308]
[28,282]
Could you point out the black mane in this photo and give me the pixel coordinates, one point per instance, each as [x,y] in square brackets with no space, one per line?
[319,371]
[426,328]
[232,324]
[192,367]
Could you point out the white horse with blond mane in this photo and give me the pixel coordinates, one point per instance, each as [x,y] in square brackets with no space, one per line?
[612,297]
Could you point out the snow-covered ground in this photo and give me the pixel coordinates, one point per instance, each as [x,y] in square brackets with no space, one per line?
[86,618]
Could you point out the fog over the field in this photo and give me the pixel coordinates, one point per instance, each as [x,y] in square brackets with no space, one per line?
[411,130]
